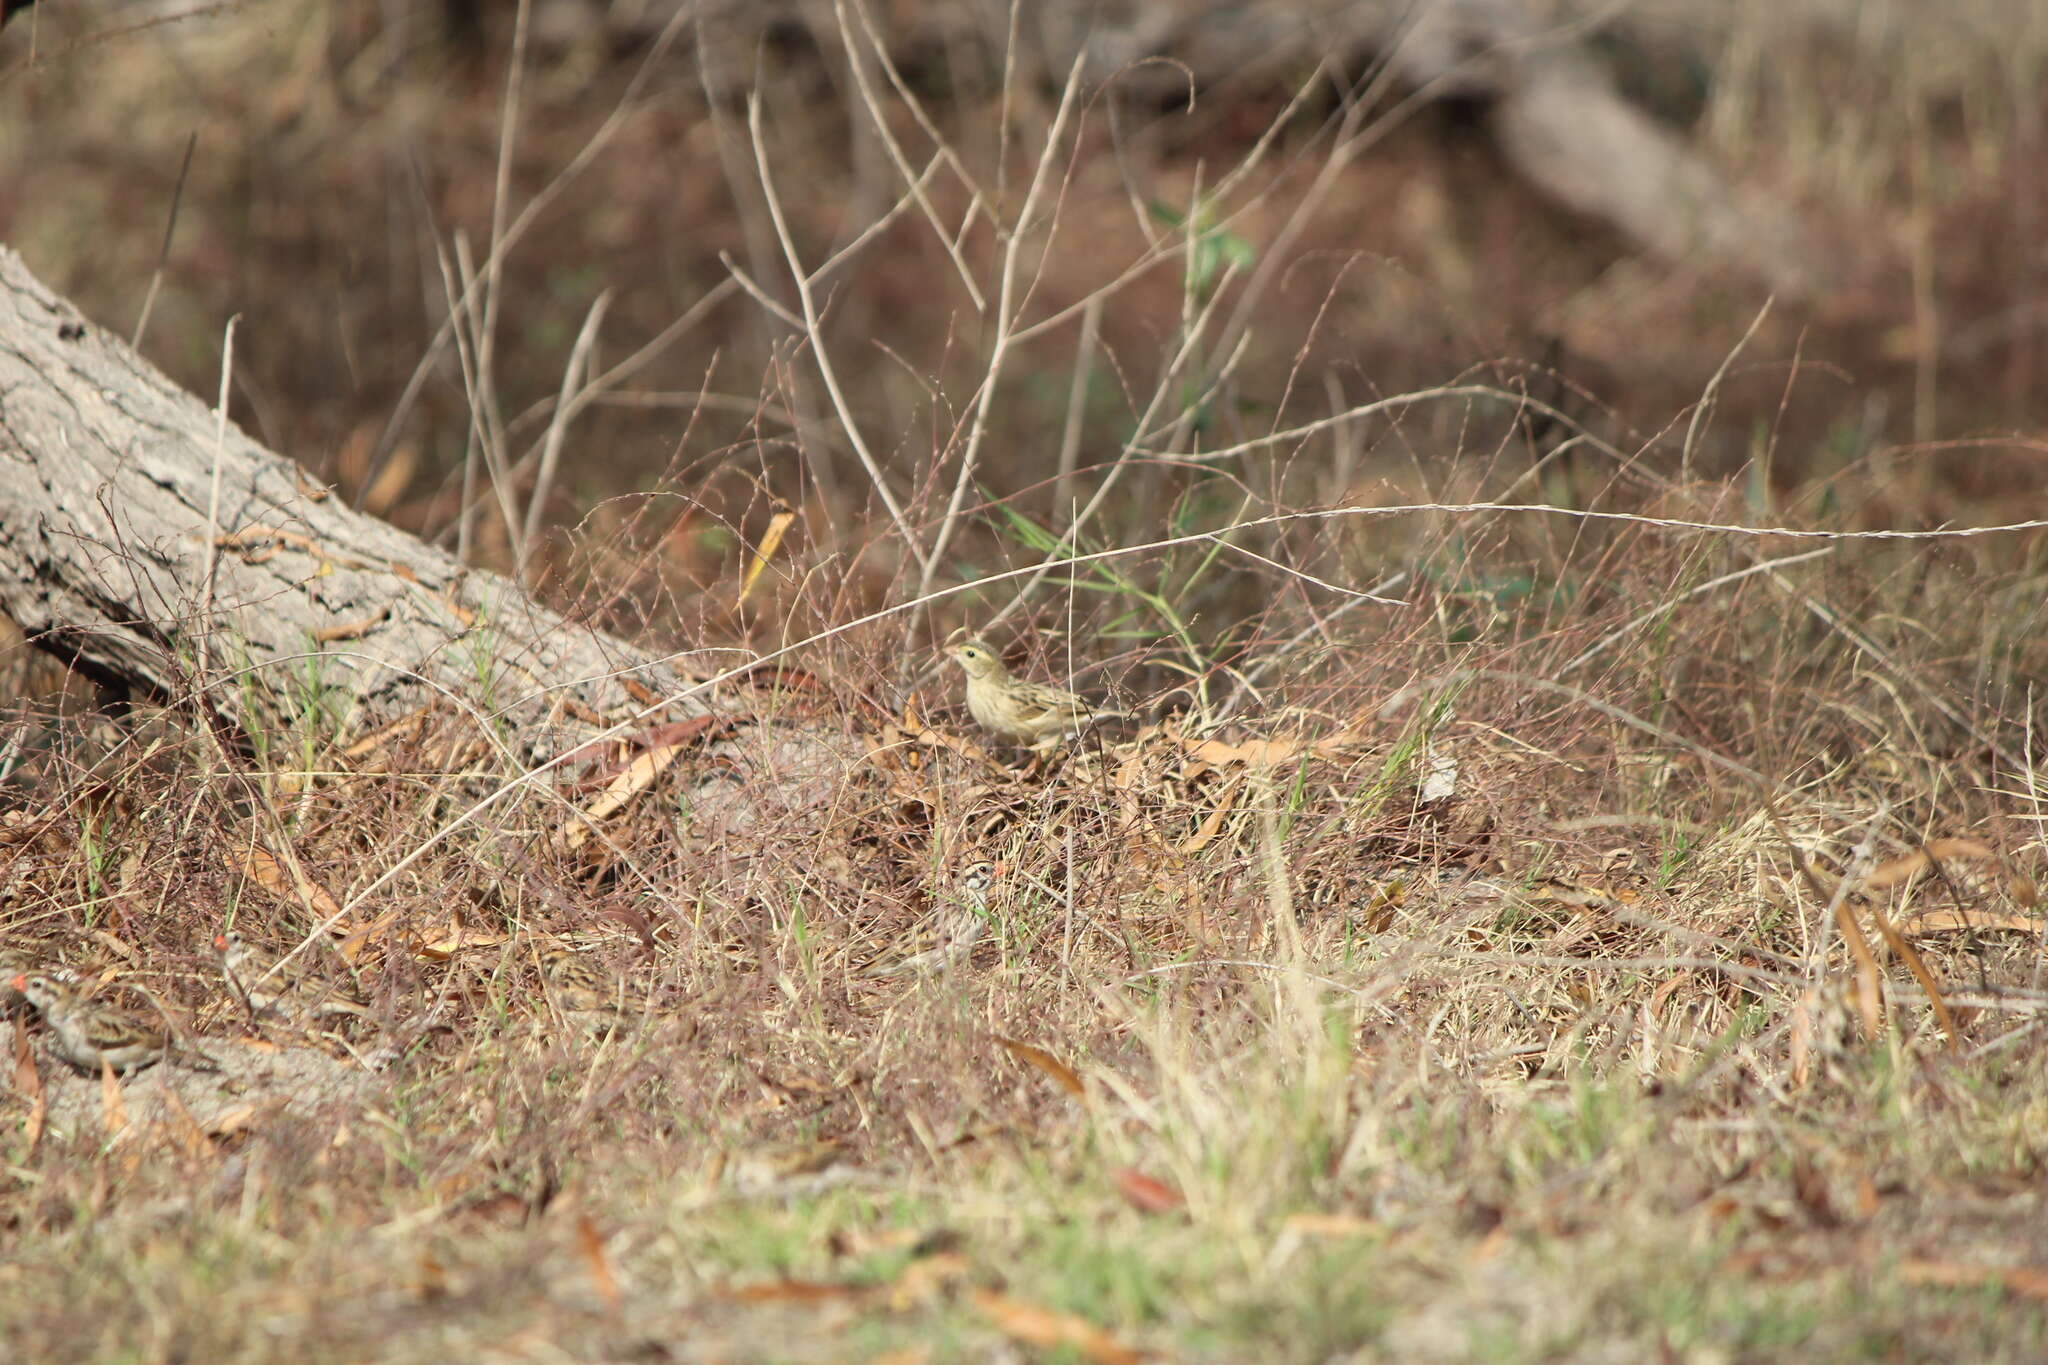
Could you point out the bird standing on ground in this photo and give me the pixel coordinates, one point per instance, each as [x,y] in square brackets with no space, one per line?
[1017,708]
[88,1034]
[584,988]
[961,923]
[269,982]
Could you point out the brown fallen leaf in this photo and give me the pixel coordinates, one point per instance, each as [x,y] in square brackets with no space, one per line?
[1661,997]
[180,1127]
[1038,1057]
[591,1243]
[1045,1327]
[1330,1225]
[351,947]
[1905,869]
[1144,1193]
[432,1282]
[795,1291]
[1810,1188]
[638,776]
[113,1111]
[351,630]
[453,936]
[601,761]
[1972,921]
[261,866]
[2026,1281]
[29,1082]
[1253,753]
[1917,965]
[20,826]
[927,1279]
[1210,827]
[390,734]
[784,677]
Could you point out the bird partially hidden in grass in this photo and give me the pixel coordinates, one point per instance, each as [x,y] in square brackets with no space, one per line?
[586,991]
[89,1034]
[1017,708]
[295,988]
[950,936]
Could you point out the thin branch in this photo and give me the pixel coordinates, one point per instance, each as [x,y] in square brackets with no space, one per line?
[812,329]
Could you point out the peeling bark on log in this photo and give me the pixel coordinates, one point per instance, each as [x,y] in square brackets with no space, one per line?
[106,474]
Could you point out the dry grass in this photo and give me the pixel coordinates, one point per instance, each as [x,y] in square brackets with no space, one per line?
[1564,1063]
[1520,967]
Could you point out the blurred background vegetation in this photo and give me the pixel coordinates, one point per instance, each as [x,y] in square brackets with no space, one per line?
[330,172]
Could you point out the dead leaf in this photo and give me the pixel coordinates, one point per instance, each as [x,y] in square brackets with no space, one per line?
[1905,869]
[771,540]
[1038,1057]
[384,491]
[795,1291]
[1330,1225]
[407,726]
[29,1082]
[1378,915]
[351,630]
[591,1243]
[881,747]
[1213,825]
[20,826]
[2026,1281]
[232,1121]
[259,865]
[782,677]
[113,1112]
[454,936]
[608,758]
[183,1128]
[1048,1328]
[121,947]
[1143,1193]
[927,1279]
[1972,921]
[1917,965]
[1661,997]
[1810,1188]
[1253,753]
[1489,1246]
[1800,1041]
[638,777]
[351,947]
[433,1279]
[1866,967]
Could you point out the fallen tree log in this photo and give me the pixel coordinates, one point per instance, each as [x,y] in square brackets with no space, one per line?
[138,525]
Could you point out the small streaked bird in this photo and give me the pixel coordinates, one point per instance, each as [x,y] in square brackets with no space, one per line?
[583,987]
[961,922]
[297,987]
[88,1034]
[1016,708]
